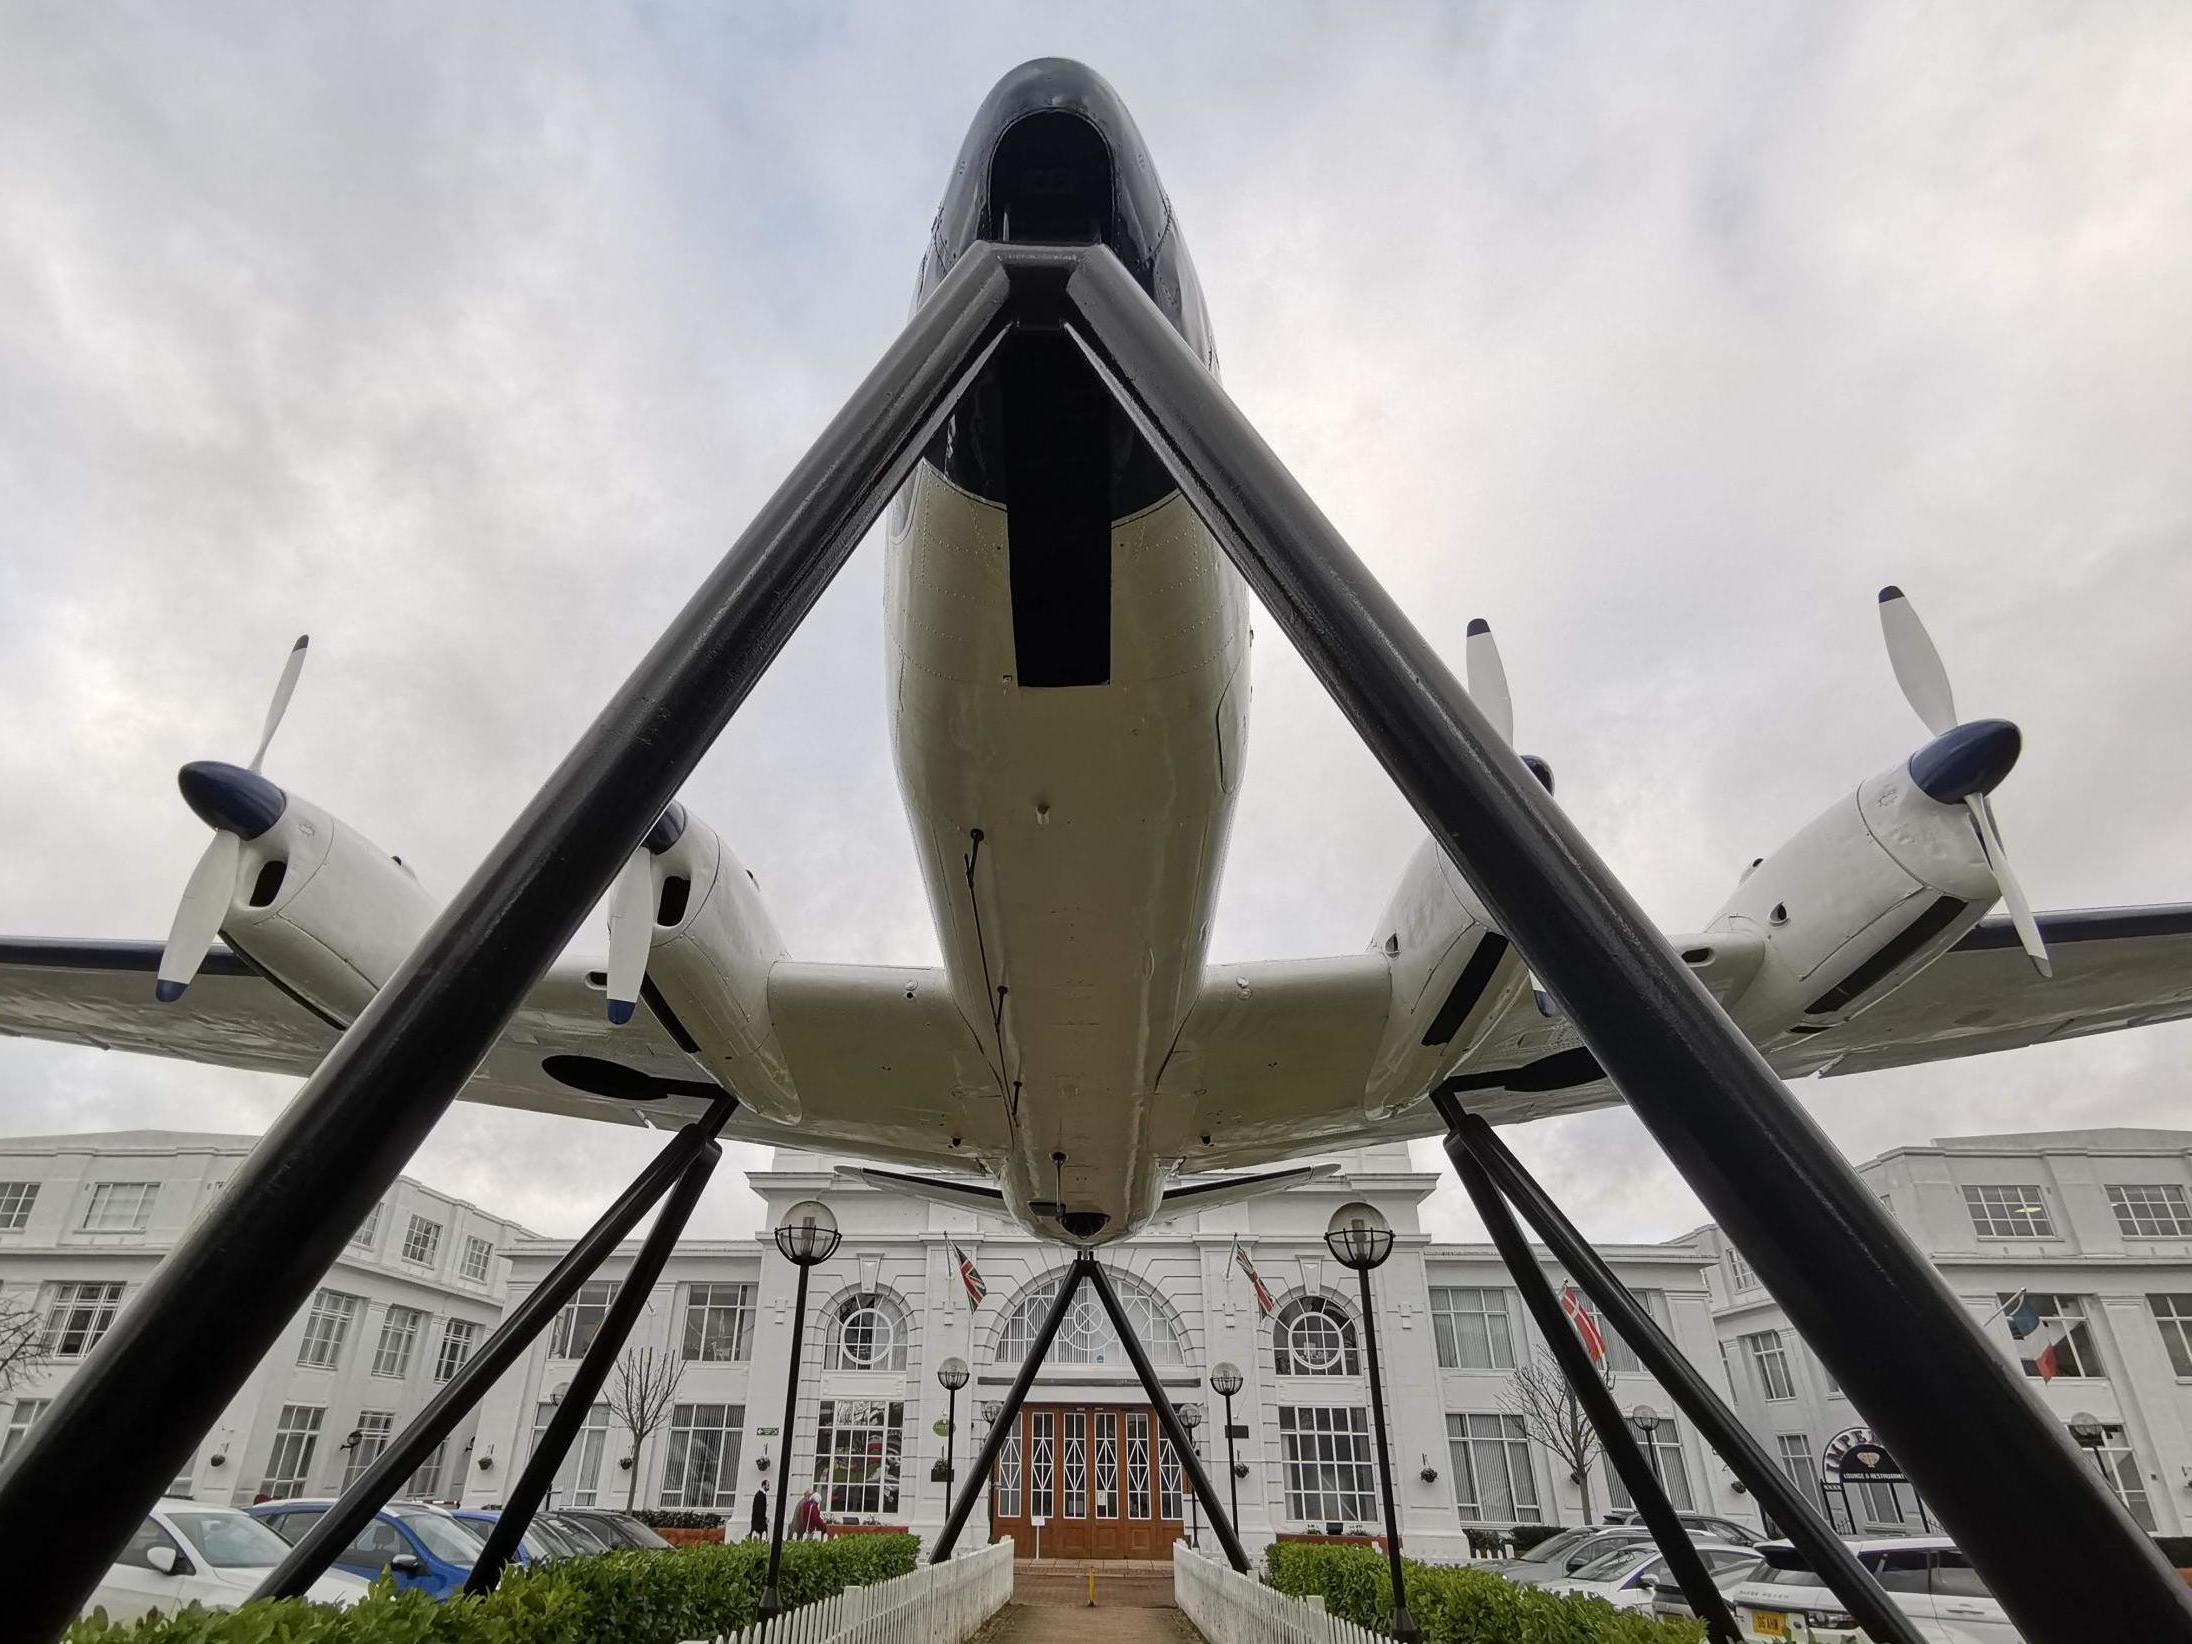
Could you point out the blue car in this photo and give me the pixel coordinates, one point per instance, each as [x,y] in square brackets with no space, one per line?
[416,1546]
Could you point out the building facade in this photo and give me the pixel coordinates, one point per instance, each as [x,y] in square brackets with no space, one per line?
[2083,1238]
[84,1220]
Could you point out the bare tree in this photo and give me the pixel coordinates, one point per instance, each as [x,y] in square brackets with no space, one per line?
[22,1344]
[641,1392]
[1538,1396]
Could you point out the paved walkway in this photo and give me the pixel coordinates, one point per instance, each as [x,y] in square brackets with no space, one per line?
[1044,1623]
[1050,1596]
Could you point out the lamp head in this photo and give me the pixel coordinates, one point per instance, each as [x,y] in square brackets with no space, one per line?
[1359,1236]
[952,1374]
[808,1234]
[1226,1380]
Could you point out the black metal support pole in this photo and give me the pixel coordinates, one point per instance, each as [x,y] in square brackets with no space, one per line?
[1404,1624]
[1799,1518]
[2000,1473]
[1232,1464]
[1167,1416]
[334,1529]
[772,1603]
[593,1369]
[178,1354]
[1008,1419]
[1597,1399]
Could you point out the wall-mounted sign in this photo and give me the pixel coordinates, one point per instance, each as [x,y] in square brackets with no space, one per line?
[1855,1454]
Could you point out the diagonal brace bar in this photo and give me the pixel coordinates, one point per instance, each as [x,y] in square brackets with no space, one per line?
[334,1529]
[1790,1507]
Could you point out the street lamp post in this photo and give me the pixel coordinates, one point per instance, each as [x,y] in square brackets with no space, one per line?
[1359,1237]
[1225,1381]
[1646,1421]
[807,1238]
[951,1375]
[1191,1417]
[2086,1429]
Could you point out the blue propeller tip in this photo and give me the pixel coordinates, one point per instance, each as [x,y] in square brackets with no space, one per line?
[620,1011]
[168,992]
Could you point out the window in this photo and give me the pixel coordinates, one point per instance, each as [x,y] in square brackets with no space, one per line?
[16,1199]
[1330,1476]
[1492,1478]
[1666,1448]
[1797,1462]
[426,1482]
[1315,1336]
[578,1480]
[399,1334]
[1170,1503]
[2063,1322]
[1471,1330]
[325,1327]
[478,1254]
[289,1468]
[2159,1211]
[1770,1364]
[374,1426]
[137,1551]
[719,1323]
[702,1470]
[856,1455]
[869,1333]
[2124,1476]
[580,1320]
[2173,1317]
[367,1229]
[1827,1377]
[1085,1335]
[20,1421]
[1740,1276]
[120,1207]
[1006,1490]
[1621,1358]
[422,1241]
[458,1338]
[77,1315]
[1999,1212]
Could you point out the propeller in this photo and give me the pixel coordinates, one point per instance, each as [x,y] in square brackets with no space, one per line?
[633,899]
[1964,761]
[238,804]
[1487,686]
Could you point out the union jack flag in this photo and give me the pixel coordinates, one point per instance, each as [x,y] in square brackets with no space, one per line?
[1264,1304]
[1594,1339]
[971,1277]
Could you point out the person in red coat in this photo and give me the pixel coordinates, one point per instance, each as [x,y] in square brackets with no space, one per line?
[811,1521]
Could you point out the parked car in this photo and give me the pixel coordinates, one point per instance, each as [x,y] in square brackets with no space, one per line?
[1927,1577]
[584,1537]
[1628,1577]
[1561,1556]
[553,1537]
[413,1544]
[539,1545]
[1728,1531]
[619,1529]
[189,1552]
[1670,1601]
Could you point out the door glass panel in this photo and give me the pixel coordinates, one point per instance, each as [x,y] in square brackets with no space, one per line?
[1137,1464]
[1073,1467]
[1042,1457]
[1107,1465]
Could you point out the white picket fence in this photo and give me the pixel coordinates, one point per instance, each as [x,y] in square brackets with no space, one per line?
[1230,1608]
[946,1603]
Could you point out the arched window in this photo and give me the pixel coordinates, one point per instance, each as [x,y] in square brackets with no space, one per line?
[1086,1336]
[1315,1336]
[869,1332]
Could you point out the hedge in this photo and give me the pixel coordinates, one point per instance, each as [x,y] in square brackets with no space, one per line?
[680,1518]
[633,1597]
[1458,1605]
[1520,1537]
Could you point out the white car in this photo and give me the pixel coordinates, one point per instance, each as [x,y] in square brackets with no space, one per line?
[1928,1578]
[1629,1577]
[194,1552]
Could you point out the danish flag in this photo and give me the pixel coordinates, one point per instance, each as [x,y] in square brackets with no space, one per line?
[1594,1339]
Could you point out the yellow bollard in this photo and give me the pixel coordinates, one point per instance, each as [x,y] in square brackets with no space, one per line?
[1091,1604]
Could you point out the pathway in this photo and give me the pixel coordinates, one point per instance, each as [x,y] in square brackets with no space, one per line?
[1133,1604]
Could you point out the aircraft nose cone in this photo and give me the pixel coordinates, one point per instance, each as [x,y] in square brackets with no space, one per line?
[1966,759]
[228,796]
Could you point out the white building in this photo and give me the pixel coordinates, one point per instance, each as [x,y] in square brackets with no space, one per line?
[889,1307]
[2094,1227]
[84,1220]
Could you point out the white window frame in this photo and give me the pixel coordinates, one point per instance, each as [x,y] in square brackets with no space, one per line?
[1741,1277]
[289,1462]
[2078,1343]
[81,1308]
[458,1339]
[700,1456]
[1337,1349]
[1085,1335]
[1477,1442]
[2151,1210]
[479,1258]
[21,1419]
[367,1229]
[422,1240]
[108,1210]
[327,1324]
[1798,1462]
[1770,1365]
[401,1328]
[578,1480]
[375,1429]
[1673,1469]
[859,1453]
[1452,1307]
[580,1321]
[869,1332]
[719,1322]
[2008,1210]
[17,1201]
[1325,1461]
[2172,1312]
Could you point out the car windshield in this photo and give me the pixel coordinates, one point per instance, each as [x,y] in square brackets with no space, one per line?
[631,1531]
[446,1538]
[1607,1566]
[230,1541]
[552,1540]
[1554,1548]
[584,1536]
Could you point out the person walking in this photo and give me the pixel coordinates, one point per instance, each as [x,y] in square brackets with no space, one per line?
[759,1526]
[811,1521]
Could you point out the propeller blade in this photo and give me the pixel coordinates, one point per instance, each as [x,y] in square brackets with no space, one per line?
[282,693]
[198,919]
[1488,680]
[631,932]
[2020,911]
[1917,664]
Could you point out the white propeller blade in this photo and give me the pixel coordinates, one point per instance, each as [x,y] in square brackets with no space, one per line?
[2020,911]
[1917,664]
[198,920]
[631,931]
[282,693]
[1488,680]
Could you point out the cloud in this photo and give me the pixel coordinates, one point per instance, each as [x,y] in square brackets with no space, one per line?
[468,340]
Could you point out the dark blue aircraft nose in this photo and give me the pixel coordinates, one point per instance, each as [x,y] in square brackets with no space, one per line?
[1966,759]
[228,796]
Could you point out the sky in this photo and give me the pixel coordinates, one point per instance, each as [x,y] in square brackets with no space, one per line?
[466,339]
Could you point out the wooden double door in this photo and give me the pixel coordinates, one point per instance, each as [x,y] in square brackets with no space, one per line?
[1088,1481]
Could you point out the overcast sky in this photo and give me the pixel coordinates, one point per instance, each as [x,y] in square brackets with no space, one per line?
[465,339]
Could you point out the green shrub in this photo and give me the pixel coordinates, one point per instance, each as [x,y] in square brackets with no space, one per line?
[679,1518]
[1458,1605]
[634,1597]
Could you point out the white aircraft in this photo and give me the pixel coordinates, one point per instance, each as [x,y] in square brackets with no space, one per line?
[1068,684]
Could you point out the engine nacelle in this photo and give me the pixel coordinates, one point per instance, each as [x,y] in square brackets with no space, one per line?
[710,956]
[1854,905]
[323,911]
[1452,975]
